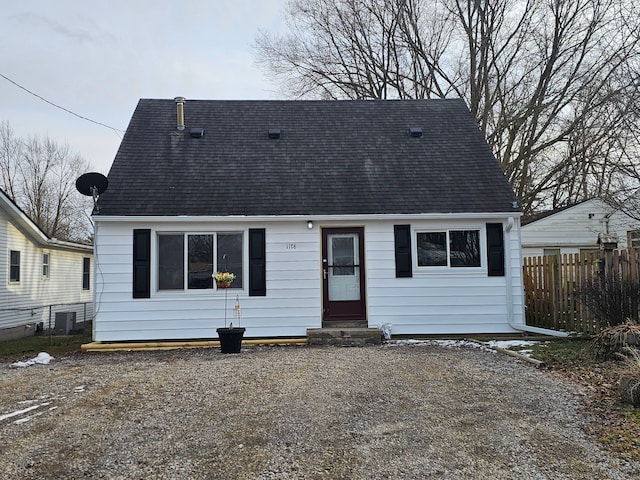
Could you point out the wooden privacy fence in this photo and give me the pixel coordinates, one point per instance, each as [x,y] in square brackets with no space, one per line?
[552,283]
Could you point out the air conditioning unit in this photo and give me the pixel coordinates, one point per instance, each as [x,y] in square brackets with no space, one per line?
[65,322]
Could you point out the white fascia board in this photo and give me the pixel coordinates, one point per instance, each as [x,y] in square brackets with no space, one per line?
[80,247]
[293,218]
[29,228]
[22,221]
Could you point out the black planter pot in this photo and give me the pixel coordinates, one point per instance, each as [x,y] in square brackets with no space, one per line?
[230,339]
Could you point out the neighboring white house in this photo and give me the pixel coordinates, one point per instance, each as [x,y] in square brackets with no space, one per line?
[329,213]
[583,227]
[41,276]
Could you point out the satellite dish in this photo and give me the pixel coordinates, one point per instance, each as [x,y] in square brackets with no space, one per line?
[92,184]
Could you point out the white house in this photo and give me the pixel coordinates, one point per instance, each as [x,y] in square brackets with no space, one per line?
[329,212]
[580,228]
[42,276]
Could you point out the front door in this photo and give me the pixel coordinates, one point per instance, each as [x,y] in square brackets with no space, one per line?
[343,274]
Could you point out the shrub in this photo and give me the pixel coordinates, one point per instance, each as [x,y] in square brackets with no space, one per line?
[611,299]
[611,342]
[629,386]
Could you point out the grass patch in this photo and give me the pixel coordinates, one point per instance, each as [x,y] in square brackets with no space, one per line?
[29,347]
[564,352]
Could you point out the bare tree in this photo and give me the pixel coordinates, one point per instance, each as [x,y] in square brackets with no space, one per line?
[39,175]
[551,82]
[9,151]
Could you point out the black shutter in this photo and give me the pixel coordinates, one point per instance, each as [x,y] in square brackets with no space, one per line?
[142,263]
[495,250]
[257,263]
[402,238]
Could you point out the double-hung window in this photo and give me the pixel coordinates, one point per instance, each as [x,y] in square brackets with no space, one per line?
[86,273]
[633,239]
[449,248]
[45,265]
[14,266]
[186,261]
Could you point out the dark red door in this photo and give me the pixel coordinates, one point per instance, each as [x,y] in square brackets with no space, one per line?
[343,274]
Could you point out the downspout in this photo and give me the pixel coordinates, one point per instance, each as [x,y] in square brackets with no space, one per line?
[509,278]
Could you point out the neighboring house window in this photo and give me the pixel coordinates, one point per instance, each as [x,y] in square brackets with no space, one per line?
[45,265]
[551,252]
[14,266]
[633,239]
[194,254]
[589,251]
[86,273]
[451,248]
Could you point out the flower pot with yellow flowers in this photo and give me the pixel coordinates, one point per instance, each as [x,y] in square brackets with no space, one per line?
[230,337]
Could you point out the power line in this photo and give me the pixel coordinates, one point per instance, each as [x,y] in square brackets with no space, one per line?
[116,130]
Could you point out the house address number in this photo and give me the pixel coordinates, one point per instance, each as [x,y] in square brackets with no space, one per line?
[291,246]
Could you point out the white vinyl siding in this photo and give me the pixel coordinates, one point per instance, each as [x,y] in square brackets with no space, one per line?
[451,301]
[440,300]
[292,303]
[576,228]
[27,302]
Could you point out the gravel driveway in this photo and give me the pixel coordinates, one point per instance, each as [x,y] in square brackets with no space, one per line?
[394,412]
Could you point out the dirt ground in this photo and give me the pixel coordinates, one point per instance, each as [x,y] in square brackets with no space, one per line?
[401,412]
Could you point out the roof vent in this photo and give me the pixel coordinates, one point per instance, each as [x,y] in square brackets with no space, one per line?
[180,106]
[196,132]
[274,133]
[415,132]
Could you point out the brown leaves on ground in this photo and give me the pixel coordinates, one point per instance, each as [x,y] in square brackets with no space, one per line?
[615,424]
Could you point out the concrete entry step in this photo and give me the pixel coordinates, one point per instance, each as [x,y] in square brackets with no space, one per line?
[346,324]
[344,337]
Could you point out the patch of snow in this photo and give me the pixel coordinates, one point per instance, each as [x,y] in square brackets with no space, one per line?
[440,343]
[27,418]
[511,343]
[508,344]
[486,346]
[18,412]
[43,358]
[526,353]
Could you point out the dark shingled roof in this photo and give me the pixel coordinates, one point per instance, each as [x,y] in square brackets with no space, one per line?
[332,158]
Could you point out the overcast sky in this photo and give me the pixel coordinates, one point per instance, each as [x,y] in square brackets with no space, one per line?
[98,58]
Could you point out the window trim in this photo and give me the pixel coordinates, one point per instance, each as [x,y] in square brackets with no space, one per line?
[630,239]
[482,250]
[46,266]
[185,290]
[14,266]
[86,272]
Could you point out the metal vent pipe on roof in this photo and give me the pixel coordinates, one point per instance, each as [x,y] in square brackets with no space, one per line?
[180,106]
